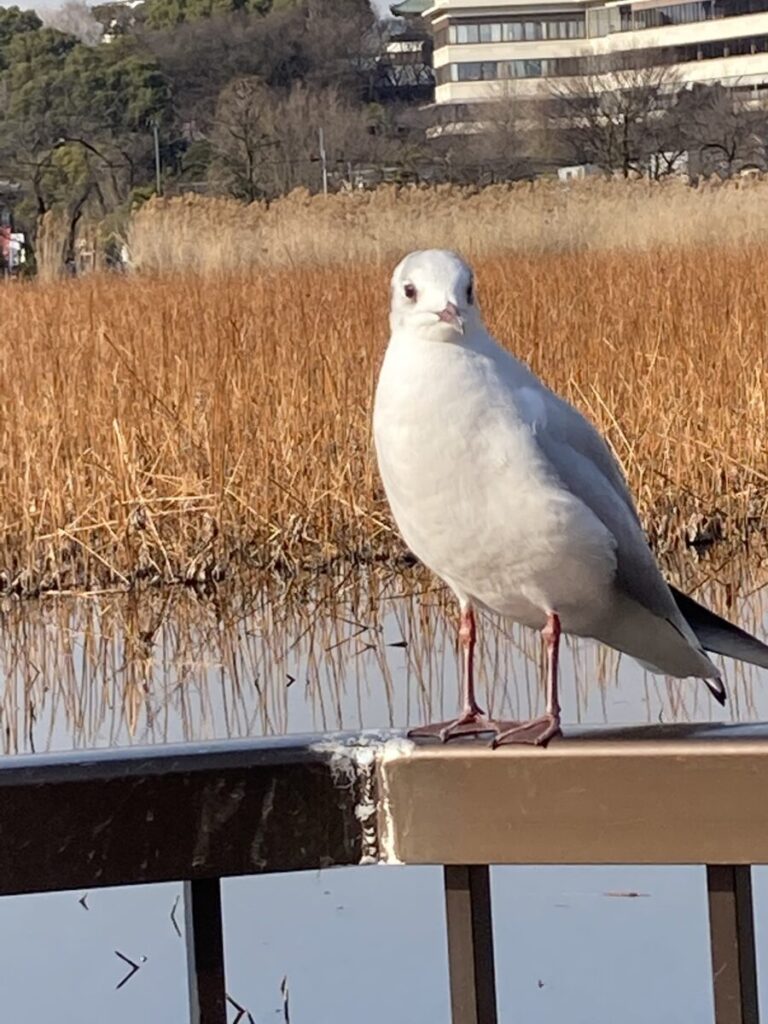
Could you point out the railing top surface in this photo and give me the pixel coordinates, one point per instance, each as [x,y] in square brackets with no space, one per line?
[654,794]
[319,748]
[158,759]
[678,794]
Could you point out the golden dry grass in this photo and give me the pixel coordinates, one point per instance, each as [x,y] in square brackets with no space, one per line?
[189,427]
[203,234]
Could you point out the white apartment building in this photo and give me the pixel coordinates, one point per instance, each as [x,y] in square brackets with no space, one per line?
[484,49]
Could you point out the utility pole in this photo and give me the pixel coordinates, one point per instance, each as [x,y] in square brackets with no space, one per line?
[321,140]
[158,176]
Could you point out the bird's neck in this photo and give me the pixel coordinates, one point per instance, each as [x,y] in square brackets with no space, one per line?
[477,339]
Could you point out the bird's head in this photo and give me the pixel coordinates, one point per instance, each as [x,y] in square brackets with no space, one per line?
[433,296]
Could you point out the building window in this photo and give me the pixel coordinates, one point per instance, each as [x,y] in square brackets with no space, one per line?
[603,21]
[465,34]
[475,71]
[664,56]
[674,14]
[485,71]
[567,66]
[729,8]
[518,30]
[526,68]
[490,33]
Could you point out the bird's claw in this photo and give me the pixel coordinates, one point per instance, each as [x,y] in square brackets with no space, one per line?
[470,723]
[538,732]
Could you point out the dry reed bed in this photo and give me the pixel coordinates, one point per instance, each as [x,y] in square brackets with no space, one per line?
[205,234]
[195,427]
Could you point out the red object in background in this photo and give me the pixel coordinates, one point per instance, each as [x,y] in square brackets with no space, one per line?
[5,245]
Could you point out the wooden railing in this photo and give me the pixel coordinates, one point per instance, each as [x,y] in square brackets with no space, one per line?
[667,795]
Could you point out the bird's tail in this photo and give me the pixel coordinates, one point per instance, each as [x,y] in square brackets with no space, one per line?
[719,636]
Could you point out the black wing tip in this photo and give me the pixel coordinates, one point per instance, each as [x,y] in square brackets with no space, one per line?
[718,690]
[718,635]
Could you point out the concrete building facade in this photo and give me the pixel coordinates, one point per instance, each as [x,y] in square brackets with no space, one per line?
[485,49]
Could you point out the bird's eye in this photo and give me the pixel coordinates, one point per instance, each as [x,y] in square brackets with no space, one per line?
[470,294]
[410,292]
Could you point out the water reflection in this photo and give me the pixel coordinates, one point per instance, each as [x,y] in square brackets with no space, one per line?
[117,670]
[367,942]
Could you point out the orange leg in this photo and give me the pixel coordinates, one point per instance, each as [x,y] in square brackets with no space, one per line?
[472,721]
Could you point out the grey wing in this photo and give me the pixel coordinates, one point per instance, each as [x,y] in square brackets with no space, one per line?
[568,424]
[545,410]
[582,461]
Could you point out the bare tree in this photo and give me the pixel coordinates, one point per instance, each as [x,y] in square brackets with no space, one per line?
[266,142]
[518,134]
[342,41]
[723,134]
[350,138]
[244,129]
[613,116]
[491,141]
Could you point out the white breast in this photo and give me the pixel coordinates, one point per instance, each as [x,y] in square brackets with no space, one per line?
[471,493]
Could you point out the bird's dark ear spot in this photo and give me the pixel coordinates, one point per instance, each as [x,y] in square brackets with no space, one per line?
[470,294]
[410,291]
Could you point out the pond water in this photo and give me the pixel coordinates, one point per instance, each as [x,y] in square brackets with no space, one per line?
[115,671]
[364,943]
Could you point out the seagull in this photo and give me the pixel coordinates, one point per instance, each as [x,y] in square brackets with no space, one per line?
[513,498]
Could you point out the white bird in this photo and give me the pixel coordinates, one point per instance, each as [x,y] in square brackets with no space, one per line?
[508,494]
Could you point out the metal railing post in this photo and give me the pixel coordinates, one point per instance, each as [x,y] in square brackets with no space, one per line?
[470,944]
[205,951]
[732,938]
